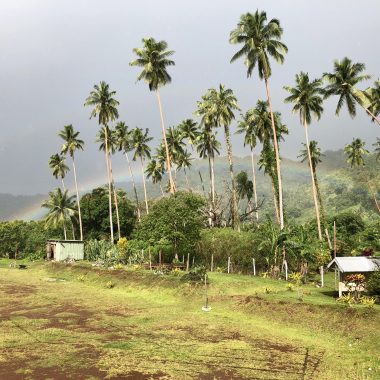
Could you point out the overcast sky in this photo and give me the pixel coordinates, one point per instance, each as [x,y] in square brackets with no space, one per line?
[53,52]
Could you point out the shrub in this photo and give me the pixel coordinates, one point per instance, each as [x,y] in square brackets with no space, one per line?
[110,285]
[196,274]
[373,284]
[296,278]
[368,301]
[97,249]
[289,287]
[346,299]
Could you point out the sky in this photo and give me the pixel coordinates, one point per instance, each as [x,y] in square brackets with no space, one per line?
[53,52]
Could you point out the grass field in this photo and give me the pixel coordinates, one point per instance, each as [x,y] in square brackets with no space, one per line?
[62,321]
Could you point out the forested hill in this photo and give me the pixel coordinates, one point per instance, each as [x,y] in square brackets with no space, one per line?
[342,188]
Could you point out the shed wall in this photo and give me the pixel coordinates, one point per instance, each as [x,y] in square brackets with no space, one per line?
[69,250]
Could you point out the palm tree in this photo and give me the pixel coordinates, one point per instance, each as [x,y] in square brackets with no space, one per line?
[207,146]
[176,146]
[247,127]
[105,108]
[142,150]
[217,109]
[111,143]
[373,96]
[377,149]
[244,187]
[61,209]
[189,130]
[267,163]
[58,166]
[153,57]
[261,40]
[342,82]
[315,155]
[183,161]
[70,145]
[155,170]
[307,100]
[355,153]
[124,142]
[260,119]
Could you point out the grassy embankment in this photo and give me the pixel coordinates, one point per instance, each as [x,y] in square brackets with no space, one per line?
[60,321]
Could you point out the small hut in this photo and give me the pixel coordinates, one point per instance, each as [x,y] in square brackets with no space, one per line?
[353,265]
[60,250]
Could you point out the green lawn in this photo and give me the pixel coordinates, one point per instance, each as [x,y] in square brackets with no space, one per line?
[64,322]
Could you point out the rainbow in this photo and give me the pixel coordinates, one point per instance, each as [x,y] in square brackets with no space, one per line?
[36,212]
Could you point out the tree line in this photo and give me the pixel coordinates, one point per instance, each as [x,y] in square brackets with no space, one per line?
[259,45]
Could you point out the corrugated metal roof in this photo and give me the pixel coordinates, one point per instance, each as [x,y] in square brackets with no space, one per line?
[356,264]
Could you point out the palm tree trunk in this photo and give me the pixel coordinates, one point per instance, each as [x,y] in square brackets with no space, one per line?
[115,198]
[172,186]
[162,190]
[202,183]
[187,180]
[72,228]
[212,180]
[145,194]
[109,185]
[78,201]
[64,230]
[319,196]
[63,185]
[235,216]
[254,185]
[278,163]
[212,190]
[275,201]
[134,187]
[313,182]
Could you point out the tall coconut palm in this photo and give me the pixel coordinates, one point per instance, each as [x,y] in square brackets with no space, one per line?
[58,166]
[71,144]
[105,109]
[307,100]
[315,155]
[107,139]
[189,130]
[142,150]
[218,107]
[342,82]
[124,141]
[155,170]
[61,209]
[377,149]
[355,153]
[248,128]
[207,147]
[153,57]
[260,41]
[183,161]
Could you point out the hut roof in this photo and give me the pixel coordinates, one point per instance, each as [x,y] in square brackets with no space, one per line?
[356,264]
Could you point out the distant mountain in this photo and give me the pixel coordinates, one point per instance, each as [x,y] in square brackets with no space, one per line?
[342,188]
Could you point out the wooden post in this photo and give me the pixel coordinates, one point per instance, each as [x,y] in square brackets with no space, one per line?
[335,276]
[334,239]
[254,266]
[193,261]
[188,262]
[150,259]
[328,239]
[159,257]
[228,264]
[212,262]
[322,277]
[285,265]
[183,259]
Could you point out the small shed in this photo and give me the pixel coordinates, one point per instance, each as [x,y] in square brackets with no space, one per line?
[353,265]
[60,250]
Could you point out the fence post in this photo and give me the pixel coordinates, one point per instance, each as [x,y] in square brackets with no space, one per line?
[188,262]
[212,262]
[228,264]
[254,266]
[150,259]
[322,278]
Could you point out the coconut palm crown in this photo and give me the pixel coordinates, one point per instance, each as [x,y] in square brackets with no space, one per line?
[71,140]
[153,57]
[355,152]
[260,40]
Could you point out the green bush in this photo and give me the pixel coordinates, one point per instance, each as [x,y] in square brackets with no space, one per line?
[97,249]
[196,275]
[373,283]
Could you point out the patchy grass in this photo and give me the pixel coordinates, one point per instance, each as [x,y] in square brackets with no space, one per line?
[62,321]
